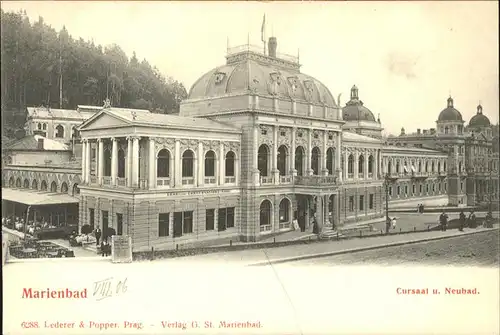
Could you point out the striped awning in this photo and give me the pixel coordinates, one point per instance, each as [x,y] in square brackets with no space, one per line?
[33,198]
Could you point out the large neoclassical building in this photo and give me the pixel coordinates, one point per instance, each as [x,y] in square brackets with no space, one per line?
[258,144]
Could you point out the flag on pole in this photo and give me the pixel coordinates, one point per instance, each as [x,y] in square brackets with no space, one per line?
[263,29]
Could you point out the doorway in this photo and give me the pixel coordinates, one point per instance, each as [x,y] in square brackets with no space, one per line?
[302,215]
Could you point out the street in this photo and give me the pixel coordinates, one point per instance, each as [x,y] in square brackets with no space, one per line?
[471,250]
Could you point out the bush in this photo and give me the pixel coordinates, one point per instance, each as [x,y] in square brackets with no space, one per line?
[86,229]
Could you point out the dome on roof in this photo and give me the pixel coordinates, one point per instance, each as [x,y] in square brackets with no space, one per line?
[250,71]
[354,109]
[450,113]
[479,120]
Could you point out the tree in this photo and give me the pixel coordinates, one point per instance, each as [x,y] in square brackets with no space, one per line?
[86,229]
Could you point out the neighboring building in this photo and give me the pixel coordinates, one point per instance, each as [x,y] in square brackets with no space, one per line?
[57,124]
[472,164]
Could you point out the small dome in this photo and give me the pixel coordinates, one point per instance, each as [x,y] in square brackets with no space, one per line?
[479,120]
[354,109]
[450,113]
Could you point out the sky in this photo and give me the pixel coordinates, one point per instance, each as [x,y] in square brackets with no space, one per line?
[406,58]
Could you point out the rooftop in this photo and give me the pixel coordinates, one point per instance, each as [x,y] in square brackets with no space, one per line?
[30,142]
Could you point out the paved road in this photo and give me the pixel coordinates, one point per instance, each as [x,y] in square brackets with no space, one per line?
[480,249]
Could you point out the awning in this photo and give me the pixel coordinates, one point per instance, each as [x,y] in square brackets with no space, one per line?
[33,198]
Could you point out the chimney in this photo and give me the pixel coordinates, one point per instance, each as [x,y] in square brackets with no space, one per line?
[271,46]
[418,131]
[40,144]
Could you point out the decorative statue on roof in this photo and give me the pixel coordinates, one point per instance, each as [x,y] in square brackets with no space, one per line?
[107,103]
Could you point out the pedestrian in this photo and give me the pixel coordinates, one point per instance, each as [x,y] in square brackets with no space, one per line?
[443,220]
[393,223]
[387,224]
[98,234]
[461,220]
[472,219]
[422,208]
[315,226]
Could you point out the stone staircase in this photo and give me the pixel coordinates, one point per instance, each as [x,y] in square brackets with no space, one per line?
[91,247]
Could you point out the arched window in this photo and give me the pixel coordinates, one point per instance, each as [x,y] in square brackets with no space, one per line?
[263,160]
[299,161]
[459,166]
[121,163]
[230,158]
[163,164]
[419,166]
[18,182]
[284,210]
[432,167]
[60,131]
[439,166]
[11,182]
[107,163]
[187,163]
[39,126]
[34,184]
[26,183]
[282,159]
[210,164]
[64,187]
[330,156]
[398,170]
[350,164]
[370,164]
[446,129]
[43,186]
[76,190]
[44,126]
[53,187]
[426,167]
[265,213]
[315,156]
[444,167]
[389,167]
[361,164]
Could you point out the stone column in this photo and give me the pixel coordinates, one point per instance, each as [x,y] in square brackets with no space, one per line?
[177,165]
[324,168]
[201,165]
[309,170]
[84,162]
[100,161]
[152,164]
[376,165]
[275,172]
[338,157]
[346,164]
[114,161]
[356,164]
[129,161]
[293,172]
[135,162]
[88,161]
[222,166]
[367,156]
[256,173]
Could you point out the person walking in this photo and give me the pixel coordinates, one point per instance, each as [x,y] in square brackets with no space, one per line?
[98,234]
[461,220]
[393,223]
[418,208]
[443,220]
[387,225]
[472,219]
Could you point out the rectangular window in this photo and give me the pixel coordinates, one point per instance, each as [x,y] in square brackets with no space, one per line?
[413,189]
[439,187]
[427,188]
[351,204]
[406,189]
[163,224]
[221,223]
[188,222]
[177,224]
[361,202]
[390,190]
[370,201]
[399,190]
[230,217]
[119,223]
[420,188]
[92,218]
[210,219]
[445,187]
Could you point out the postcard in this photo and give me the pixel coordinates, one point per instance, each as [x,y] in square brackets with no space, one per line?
[250,167]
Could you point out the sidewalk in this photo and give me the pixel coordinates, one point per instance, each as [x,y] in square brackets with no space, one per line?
[322,248]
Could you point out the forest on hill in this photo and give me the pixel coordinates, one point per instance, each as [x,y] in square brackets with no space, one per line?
[34,56]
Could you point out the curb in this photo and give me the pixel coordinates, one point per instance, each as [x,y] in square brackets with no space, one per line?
[372,247]
[62,259]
